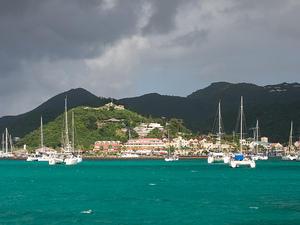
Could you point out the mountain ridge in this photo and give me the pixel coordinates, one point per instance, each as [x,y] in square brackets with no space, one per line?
[197,109]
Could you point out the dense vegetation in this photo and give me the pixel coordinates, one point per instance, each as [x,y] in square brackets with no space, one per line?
[91,125]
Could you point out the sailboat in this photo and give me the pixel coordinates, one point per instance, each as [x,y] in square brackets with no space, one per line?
[2,149]
[79,157]
[170,157]
[258,156]
[240,159]
[69,149]
[34,157]
[289,156]
[218,156]
[8,140]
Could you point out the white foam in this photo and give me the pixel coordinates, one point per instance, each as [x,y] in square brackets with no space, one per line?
[253,207]
[86,212]
[151,184]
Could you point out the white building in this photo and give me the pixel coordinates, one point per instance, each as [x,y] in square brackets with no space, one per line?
[144,129]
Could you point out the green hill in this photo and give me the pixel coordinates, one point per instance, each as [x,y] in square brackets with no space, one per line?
[91,125]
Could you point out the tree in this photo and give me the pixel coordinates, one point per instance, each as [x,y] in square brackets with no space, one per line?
[155,133]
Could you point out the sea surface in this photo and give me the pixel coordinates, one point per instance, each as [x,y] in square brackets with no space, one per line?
[149,192]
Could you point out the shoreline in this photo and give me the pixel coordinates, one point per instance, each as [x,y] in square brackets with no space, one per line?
[126,158]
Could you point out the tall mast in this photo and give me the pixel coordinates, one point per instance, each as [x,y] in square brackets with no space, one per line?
[42,134]
[11,144]
[73,133]
[6,140]
[241,128]
[291,136]
[66,124]
[169,143]
[256,136]
[2,142]
[220,126]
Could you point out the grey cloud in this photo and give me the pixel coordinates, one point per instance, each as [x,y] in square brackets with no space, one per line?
[47,46]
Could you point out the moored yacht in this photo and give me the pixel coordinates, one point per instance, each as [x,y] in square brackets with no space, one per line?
[55,159]
[239,159]
[219,156]
[32,157]
[170,157]
[287,155]
[70,159]
[257,155]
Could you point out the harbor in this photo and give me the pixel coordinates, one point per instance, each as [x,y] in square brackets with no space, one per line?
[149,192]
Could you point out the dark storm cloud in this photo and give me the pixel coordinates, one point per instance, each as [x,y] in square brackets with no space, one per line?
[122,47]
[71,29]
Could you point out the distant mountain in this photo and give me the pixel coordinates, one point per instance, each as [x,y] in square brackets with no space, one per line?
[273,105]
[22,124]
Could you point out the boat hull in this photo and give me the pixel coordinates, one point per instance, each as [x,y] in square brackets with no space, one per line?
[247,162]
[71,161]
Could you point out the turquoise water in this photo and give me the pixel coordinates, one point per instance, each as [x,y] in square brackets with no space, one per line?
[149,192]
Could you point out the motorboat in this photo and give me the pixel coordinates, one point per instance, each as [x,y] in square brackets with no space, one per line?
[32,158]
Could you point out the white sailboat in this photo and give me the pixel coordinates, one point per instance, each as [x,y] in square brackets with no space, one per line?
[71,159]
[8,141]
[170,157]
[240,159]
[258,156]
[34,157]
[79,157]
[288,156]
[219,156]
[44,157]
[2,149]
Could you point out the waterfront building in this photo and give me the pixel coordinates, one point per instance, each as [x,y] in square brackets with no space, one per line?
[145,144]
[107,146]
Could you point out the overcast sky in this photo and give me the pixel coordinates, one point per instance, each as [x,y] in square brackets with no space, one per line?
[123,48]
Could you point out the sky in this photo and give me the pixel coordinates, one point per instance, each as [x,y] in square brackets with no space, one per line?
[126,48]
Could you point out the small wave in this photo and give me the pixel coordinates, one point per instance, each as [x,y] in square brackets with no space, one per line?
[86,212]
[151,184]
[253,207]
[194,171]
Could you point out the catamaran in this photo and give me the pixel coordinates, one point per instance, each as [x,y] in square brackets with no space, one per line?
[240,159]
[289,156]
[219,156]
